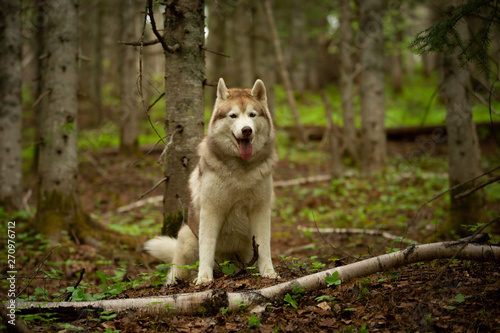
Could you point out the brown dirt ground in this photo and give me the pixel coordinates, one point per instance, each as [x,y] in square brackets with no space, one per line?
[397,301]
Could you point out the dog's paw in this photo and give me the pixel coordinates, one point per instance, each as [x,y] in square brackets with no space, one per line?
[271,274]
[202,279]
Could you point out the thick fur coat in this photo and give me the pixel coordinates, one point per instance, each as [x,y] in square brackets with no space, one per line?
[231,189]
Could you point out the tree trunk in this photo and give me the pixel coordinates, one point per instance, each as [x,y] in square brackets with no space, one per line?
[184,76]
[263,61]
[96,70]
[10,106]
[58,203]
[347,58]
[241,58]
[283,71]
[216,65]
[373,138]
[464,154]
[331,137]
[299,47]
[129,99]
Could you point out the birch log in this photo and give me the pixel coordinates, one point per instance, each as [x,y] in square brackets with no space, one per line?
[211,301]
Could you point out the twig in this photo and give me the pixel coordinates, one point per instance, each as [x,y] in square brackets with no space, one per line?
[302,181]
[82,271]
[477,187]
[471,239]
[178,129]
[153,188]
[42,95]
[139,203]
[370,232]
[156,101]
[483,101]
[410,223]
[143,103]
[148,43]
[214,52]
[36,270]
[153,26]
[149,152]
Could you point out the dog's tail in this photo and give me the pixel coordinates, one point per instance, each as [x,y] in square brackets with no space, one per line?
[162,248]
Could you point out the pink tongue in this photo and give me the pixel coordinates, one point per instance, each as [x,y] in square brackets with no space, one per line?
[245,149]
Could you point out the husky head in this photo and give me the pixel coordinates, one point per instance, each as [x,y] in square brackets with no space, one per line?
[241,123]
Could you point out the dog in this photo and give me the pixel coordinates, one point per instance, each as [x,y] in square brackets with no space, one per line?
[231,190]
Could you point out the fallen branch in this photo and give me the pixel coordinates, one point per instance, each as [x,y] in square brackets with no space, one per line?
[153,188]
[370,232]
[140,203]
[302,181]
[211,301]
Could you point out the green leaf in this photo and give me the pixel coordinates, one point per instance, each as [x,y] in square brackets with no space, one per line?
[254,321]
[289,299]
[333,280]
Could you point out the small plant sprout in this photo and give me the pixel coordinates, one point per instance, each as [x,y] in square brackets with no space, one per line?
[333,280]
[254,321]
[289,299]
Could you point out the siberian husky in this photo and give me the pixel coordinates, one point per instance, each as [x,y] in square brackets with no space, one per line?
[231,190]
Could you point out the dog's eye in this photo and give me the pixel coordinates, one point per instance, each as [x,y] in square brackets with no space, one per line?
[232,115]
[253,115]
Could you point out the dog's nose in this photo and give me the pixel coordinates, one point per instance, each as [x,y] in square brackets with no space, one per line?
[246,131]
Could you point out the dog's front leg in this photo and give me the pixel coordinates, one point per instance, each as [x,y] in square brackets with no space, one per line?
[260,222]
[210,226]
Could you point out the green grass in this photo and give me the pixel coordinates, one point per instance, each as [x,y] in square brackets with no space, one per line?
[417,105]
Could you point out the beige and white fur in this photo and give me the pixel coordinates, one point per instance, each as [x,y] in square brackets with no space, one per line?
[231,189]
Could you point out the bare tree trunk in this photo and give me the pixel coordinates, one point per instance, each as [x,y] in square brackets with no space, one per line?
[58,206]
[216,65]
[284,72]
[464,154]
[373,137]
[211,301]
[96,70]
[331,137]
[129,104]
[347,58]
[10,106]
[241,59]
[184,77]
[299,47]
[263,61]
[396,57]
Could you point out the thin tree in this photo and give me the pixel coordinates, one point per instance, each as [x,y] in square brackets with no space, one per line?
[347,61]
[373,137]
[129,102]
[184,78]
[459,46]
[283,70]
[464,154]
[10,106]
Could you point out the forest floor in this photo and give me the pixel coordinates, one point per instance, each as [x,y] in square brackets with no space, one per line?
[464,299]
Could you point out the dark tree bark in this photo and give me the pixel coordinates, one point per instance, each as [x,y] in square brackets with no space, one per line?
[10,105]
[184,77]
[58,206]
[464,154]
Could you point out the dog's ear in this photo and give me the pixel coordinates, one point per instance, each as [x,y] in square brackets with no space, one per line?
[222,90]
[259,92]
